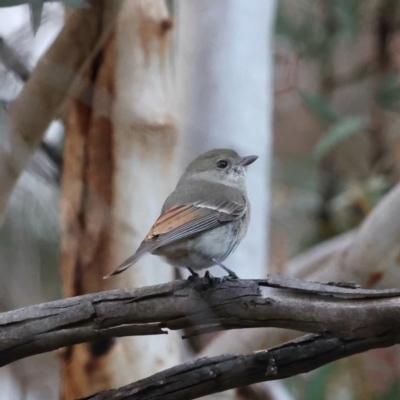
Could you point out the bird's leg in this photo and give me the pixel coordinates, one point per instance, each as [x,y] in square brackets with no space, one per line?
[194,274]
[209,277]
[230,272]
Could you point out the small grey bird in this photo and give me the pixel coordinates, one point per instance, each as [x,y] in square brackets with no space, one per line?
[205,217]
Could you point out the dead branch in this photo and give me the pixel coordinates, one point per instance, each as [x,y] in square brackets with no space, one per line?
[200,305]
[12,61]
[216,374]
[55,78]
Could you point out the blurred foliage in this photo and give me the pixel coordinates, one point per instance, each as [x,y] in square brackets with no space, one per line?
[339,127]
[334,381]
[320,107]
[393,393]
[312,386]
[317,387]
[314,31]
[388,93]
[317,30]
[357,199]
[338,132]
[317,35]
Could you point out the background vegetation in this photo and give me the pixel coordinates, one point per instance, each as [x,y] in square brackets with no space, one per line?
[336,134]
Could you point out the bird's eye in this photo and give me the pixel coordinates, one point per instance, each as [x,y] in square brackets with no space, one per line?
[222,164]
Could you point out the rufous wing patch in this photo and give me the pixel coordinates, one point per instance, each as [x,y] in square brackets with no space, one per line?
[175,217]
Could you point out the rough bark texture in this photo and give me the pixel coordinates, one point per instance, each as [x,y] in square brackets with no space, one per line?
[119,153]
[201,305]
[85,212]
[212,375]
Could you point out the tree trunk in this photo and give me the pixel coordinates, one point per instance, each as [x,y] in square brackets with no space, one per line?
[119,158]
[225,73]
[225,76]
[145,164]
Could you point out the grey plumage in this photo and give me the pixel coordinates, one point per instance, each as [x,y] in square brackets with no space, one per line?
[205,217]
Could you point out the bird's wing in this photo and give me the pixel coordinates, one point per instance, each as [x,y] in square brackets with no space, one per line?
[179,222]
[182,221]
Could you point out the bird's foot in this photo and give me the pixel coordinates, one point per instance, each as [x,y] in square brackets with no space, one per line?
[209,277]
[229,278]
[193,275]
[231,274]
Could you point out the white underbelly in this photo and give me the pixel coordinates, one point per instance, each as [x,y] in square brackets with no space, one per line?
[197,252]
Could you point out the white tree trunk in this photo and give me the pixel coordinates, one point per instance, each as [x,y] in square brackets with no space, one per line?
[224,70]
[145,138]
[225,73]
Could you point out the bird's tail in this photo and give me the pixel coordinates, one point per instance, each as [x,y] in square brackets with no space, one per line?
[127,263]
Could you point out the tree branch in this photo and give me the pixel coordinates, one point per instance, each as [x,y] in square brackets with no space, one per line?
[216,374]
[200,305]
[12,61]
[53,81]
[335,260]
[359,255]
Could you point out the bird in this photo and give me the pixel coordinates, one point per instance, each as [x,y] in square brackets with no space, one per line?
[205,218]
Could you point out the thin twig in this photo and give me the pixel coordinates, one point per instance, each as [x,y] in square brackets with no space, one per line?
[12,61]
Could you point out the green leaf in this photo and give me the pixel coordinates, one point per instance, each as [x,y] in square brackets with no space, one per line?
[320,107]
[339,132]
[388,94]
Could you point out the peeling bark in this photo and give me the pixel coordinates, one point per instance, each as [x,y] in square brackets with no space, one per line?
[87,198]
[119,169]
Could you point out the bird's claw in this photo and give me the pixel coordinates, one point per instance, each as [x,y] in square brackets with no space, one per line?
[208,275]
[193,275]
[229,277]
[231,274]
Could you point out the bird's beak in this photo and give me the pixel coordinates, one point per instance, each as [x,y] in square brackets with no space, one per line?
[245,161]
